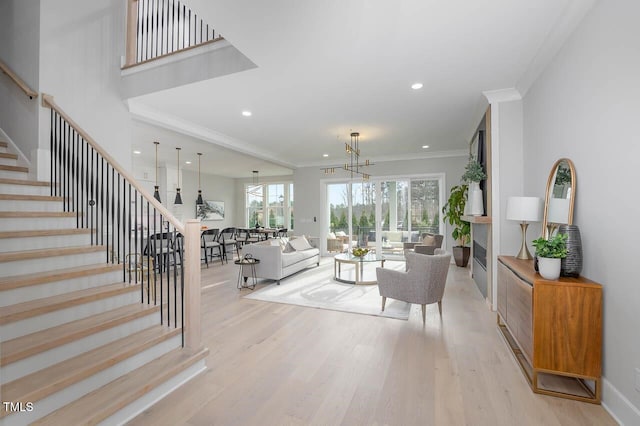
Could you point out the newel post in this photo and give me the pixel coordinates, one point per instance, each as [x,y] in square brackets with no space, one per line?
[132,27]
[192,330]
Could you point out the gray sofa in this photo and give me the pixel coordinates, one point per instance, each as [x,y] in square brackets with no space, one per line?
[276,263]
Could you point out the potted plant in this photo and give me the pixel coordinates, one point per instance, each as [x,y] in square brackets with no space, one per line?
[453,212]
[550,254]
[473,174]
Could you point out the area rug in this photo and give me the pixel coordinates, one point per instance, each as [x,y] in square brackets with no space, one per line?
[316,288]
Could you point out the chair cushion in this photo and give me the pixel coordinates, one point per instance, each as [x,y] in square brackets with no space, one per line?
[340,234]
[394,236]
[429,240]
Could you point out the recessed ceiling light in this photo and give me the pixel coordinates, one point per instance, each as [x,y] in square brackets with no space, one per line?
[416,86]
[187,162]
[137,152]
[246,113]
[425,146]
[325,155]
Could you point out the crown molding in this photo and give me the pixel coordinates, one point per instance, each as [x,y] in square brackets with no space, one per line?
[502,95]
[147,114]
[573,13]
[401,157]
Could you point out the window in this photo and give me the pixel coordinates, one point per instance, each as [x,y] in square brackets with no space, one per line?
[255,206]
[383,214]
[269,205]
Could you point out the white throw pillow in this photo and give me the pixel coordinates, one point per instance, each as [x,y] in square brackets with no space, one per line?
[340,234]
[300,243]
[331,236]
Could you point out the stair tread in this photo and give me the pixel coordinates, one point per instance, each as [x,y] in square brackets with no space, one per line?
[8,155]
[14,168]
[7,215]
[40,341]
[23,197]
[3,144]
[48,252]
[8,181]
[44,233]
[20,311]
[25,280]
[47,381]
[101,403]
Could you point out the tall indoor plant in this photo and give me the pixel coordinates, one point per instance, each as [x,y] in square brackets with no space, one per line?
[550,254]
[452,214]
[473,175]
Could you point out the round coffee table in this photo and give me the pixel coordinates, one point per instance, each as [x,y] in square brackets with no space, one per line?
[359,262]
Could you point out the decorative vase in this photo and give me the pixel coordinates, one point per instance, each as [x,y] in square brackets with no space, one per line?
[549,268]
[461,255]
[571,266]
[476,207]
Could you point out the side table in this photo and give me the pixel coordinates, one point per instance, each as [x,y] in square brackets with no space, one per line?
[250,262]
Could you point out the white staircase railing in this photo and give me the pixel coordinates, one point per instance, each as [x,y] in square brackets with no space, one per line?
[156,250]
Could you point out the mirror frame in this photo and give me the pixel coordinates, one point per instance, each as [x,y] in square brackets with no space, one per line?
[545,228]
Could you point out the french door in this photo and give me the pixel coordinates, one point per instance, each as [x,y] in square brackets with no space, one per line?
[382,214]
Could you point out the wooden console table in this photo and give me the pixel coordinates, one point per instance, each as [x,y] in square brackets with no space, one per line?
[554,329]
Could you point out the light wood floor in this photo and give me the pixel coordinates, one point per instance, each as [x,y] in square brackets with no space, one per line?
[275,364]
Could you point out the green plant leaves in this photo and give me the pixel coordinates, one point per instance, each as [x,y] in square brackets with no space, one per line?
[453,211]
[555,247]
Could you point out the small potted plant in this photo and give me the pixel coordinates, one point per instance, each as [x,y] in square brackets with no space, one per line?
[473,175]
[452,214]
[550,254]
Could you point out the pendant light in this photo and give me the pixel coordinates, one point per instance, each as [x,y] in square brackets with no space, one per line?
[255,177]
[199,200]
[178,199]
[156,192]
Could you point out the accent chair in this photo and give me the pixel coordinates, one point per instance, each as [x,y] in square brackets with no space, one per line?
[422,283]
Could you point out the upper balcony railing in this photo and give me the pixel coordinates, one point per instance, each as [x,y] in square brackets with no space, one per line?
[18,81]
[157,28]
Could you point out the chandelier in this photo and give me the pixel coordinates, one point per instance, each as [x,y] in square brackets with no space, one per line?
[354,166]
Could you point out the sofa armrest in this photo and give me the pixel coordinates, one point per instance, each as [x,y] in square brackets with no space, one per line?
[270,258]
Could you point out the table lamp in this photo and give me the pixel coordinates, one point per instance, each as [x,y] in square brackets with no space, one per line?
[524,210]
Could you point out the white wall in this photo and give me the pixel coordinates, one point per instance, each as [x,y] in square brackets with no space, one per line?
[308,187]
[586,106]
[510,175]
[80,55]
[20,50]
[214,188]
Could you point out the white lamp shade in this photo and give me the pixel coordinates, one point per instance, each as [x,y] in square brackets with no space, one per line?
[524,209]
[558,210]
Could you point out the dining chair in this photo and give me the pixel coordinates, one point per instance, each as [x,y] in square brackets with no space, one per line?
[209,244]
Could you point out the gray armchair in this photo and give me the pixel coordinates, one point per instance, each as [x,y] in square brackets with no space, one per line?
[434,242]
[423,282]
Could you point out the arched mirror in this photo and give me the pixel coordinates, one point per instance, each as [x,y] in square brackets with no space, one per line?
[560,196]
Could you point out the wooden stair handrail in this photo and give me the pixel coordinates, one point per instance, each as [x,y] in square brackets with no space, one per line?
[48,102]
[18,81]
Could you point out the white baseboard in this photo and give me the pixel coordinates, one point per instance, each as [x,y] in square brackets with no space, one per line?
[616,404]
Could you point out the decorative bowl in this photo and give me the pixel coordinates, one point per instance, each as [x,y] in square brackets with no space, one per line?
[360,251]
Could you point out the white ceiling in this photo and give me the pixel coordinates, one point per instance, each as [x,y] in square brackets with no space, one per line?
[325,68]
